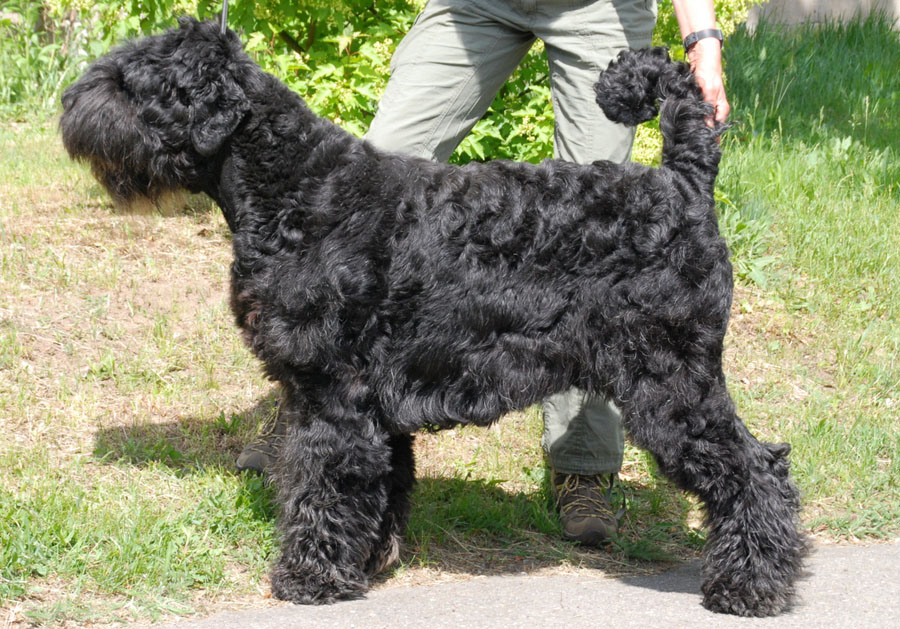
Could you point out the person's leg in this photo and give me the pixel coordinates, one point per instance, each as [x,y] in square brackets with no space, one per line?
[584,442]
[444,75]
[581,41]
[583,434]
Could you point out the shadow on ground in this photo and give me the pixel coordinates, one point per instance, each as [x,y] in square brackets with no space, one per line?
[458,526]
[186,445]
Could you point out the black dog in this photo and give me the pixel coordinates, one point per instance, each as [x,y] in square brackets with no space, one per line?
[385,293]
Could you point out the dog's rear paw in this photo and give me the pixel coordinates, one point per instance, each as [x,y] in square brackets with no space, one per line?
[385,556]
[322,588]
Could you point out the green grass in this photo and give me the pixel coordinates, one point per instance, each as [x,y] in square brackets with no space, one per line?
[125,392]
[816,160]
[143,533]
[124,395]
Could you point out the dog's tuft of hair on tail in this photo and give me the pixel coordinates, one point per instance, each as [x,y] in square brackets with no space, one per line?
[629,90]
[639,84]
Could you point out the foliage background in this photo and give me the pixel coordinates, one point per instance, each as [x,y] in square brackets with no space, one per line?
[335,54]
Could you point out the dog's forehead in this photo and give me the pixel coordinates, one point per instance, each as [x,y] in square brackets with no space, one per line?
[174,58]
[190,39]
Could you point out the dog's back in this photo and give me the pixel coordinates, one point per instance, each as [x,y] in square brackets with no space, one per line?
[515,281]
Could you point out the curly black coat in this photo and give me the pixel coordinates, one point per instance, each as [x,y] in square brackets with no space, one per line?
[385,293]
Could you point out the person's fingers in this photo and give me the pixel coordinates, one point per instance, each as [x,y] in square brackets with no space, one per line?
[714,94]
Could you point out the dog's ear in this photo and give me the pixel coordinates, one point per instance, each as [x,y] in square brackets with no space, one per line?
[211,63]
[215,116]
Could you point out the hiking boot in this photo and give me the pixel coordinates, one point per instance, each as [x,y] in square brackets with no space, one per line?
[585,509]
[260,454]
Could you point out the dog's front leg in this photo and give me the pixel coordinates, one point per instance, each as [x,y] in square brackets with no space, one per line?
[334,490]
[754,551]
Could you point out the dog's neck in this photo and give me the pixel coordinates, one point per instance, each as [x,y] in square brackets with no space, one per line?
[266,116]
[220,189]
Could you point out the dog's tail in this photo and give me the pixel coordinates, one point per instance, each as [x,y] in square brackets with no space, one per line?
[628,92]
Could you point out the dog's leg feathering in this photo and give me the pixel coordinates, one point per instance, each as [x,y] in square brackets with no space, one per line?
[393,523]
[754,550]
[341,503]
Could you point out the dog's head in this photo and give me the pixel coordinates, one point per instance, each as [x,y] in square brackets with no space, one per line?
[151,115]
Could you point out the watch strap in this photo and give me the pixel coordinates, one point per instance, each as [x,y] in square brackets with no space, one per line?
[696,36]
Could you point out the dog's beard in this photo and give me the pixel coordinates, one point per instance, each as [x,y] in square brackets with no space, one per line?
[135,195]
[126,188]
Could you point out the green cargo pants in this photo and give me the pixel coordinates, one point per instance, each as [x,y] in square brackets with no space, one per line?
[444,75]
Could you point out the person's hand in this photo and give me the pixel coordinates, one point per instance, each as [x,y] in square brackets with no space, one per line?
[706,62]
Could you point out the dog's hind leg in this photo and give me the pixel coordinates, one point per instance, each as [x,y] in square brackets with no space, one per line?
[754,551]
[393,523]
[334,490]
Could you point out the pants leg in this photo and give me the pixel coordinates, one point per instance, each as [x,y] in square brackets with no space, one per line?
[583,432]
[580,42]
[444,75]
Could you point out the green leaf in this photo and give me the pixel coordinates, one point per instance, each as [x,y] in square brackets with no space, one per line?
[346,39]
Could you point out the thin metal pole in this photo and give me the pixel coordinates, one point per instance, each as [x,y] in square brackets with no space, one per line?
[224,16]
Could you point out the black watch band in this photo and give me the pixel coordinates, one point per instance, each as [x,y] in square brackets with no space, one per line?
[693,38]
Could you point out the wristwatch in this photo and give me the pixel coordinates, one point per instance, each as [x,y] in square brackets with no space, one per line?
[696,36]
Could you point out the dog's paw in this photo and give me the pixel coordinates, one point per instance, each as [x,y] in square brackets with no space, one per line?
[756,598]
[317,588]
